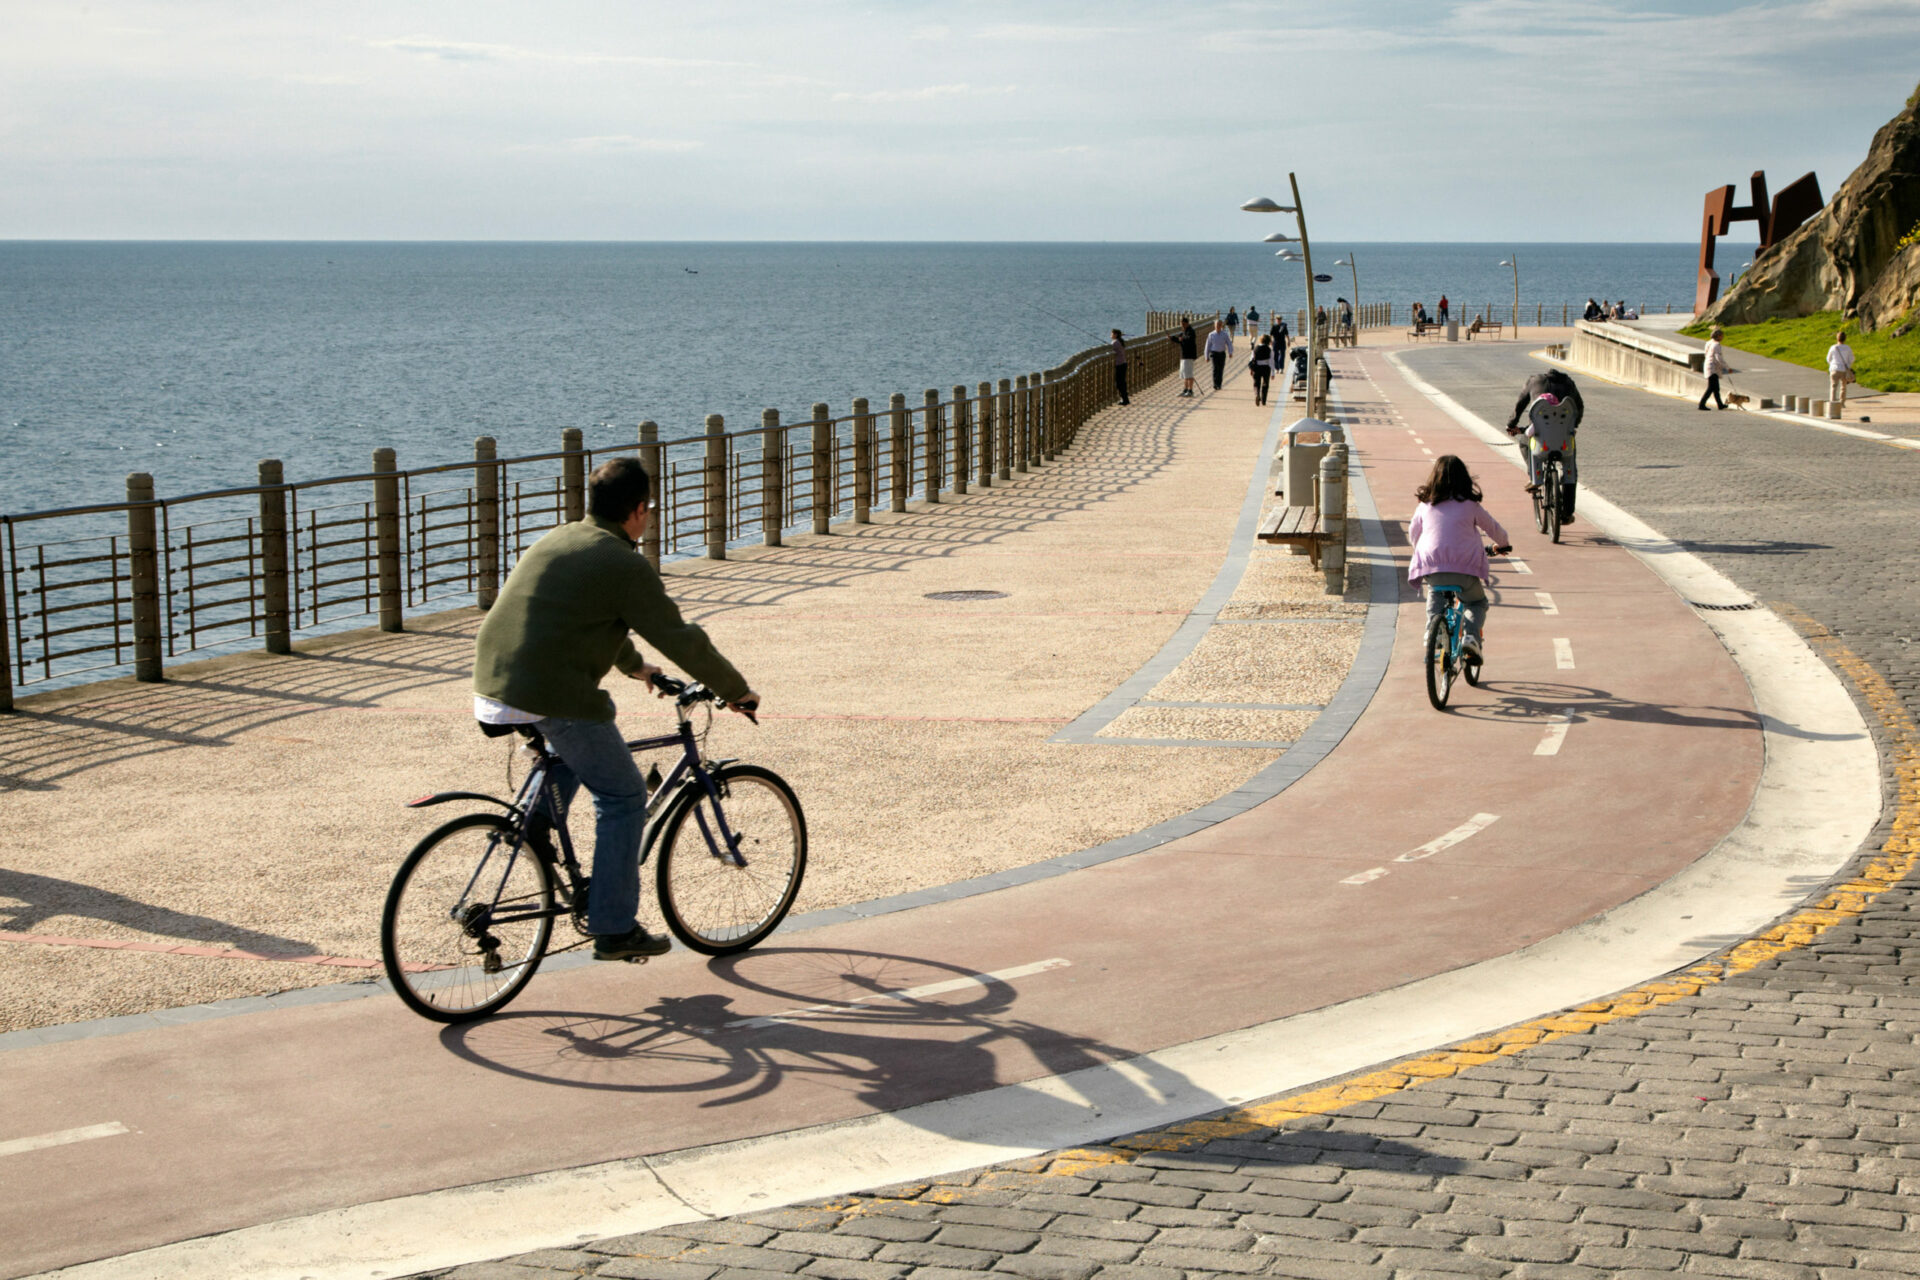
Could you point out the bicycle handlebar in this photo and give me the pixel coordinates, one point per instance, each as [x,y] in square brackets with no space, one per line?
[686,693]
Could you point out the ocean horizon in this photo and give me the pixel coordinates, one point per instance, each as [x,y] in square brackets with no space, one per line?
[192,359]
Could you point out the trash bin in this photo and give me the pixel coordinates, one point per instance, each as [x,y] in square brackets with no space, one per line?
[1306,443]
[1453,330]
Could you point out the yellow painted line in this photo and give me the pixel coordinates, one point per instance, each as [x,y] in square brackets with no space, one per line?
[1897,859]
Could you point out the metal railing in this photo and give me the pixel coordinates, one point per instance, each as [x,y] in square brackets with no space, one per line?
[131,583]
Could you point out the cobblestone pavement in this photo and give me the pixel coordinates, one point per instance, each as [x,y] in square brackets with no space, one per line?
[1758,1116]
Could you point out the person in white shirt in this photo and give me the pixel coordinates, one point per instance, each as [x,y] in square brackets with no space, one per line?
[1839,369]
[1219,347]
[1716,364]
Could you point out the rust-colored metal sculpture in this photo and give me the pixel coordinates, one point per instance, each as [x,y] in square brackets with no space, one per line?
[1797,202]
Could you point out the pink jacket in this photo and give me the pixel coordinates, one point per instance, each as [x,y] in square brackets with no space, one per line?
[1446,539]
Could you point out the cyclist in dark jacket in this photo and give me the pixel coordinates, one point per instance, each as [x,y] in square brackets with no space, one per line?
[1555,383]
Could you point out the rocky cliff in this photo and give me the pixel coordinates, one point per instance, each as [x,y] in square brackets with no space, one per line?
[1845,258]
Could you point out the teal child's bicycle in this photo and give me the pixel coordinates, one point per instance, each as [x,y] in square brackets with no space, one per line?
[1447,657]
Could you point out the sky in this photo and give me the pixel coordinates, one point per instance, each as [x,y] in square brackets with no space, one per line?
[1527,120]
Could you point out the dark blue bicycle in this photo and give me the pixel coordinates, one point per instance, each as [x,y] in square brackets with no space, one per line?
[471,910]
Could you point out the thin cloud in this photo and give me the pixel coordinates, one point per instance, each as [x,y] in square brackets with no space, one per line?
[1053,33]
[471,51]
[926,93]
[616,143]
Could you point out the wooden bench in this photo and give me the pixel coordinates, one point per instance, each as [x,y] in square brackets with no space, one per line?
[1295,527]
[1421,330]
[1486,327]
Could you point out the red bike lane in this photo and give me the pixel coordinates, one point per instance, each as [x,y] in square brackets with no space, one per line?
[1612,742]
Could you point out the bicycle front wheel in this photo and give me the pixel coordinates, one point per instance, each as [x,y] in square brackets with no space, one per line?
[1439,663]
[467,920]
[716,903]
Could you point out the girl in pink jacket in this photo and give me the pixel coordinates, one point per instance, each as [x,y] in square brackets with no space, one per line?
[1447,551]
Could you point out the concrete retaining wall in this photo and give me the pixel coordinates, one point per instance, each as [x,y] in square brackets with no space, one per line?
[1623,355]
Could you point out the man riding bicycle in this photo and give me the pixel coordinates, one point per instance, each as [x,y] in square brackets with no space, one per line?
[560,624]
[1552,406]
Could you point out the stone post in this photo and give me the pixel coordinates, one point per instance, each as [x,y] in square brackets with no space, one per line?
[386,537]
[656,491]
[773,466]
[824,470]
[962,440]
[1000,455]
[573,475]
[933,463]
[1010,424]
[862,462]
[274,613]
[486,522]
[143,564]
[1023,414]
[1333,518]
[983,402]
[716,487]
[6,660]
[1042,442]
[899,464]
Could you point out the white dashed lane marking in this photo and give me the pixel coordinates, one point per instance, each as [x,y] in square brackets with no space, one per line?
[1555,735]
[1477,823]
[20,1146]
[1546,602]
[1519,565]
[1563,654]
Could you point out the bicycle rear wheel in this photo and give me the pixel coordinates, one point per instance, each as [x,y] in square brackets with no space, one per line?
[467,920]
[712,903]
[1550,498]
[1439,660]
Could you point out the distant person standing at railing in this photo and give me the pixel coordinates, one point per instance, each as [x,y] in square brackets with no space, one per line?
[1713,367]
[1189,343]
[1219,347]
[1120,366]
[1443,308]
[1839,370]
[1262,368]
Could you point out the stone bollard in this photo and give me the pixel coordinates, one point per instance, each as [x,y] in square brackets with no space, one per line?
[1833,410]
[962,440]
[650,541]
[773,515]
[1819,408]
[1010,413]
[824,469]
[573,475]
[932,460]
[1042,440]
[274,613]
[995,408]
[386,537]
[716,487]
[1333,519]
[143,565]
[899,463]
[983,397]
[862,462]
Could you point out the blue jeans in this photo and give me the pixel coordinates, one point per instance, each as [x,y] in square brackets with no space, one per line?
[594,752]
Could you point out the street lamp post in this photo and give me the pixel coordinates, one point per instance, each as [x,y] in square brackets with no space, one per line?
[1316,338]
[1351,263]
[1513,260]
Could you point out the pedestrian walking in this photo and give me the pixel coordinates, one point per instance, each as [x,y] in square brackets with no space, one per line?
[1189,343]
[1262,368]
[1282,338]
[1233,321]
[1716,364]
[1253,319]
[1219,347]
[1120,366]
[1839,370]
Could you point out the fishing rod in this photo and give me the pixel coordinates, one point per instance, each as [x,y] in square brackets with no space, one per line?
[1070,324]
[1143,290]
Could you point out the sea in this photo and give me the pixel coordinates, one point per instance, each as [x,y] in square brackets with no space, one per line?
[194,360]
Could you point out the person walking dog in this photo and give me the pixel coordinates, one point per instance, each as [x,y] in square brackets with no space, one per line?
[1716,364]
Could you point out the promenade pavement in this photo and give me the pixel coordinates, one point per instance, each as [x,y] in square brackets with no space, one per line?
[1576,1143]
[1754,1116]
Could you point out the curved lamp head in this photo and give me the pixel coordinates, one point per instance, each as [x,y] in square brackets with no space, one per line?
[1288,254]
[1505,263]
[1342,262]
[1277,238]
[1264,205]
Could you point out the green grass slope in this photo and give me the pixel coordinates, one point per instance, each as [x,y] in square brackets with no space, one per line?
[1881,360]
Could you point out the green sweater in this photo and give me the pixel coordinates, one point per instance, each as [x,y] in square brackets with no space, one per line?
[562,621]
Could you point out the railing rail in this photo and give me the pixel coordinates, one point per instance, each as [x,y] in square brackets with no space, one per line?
[116,584]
